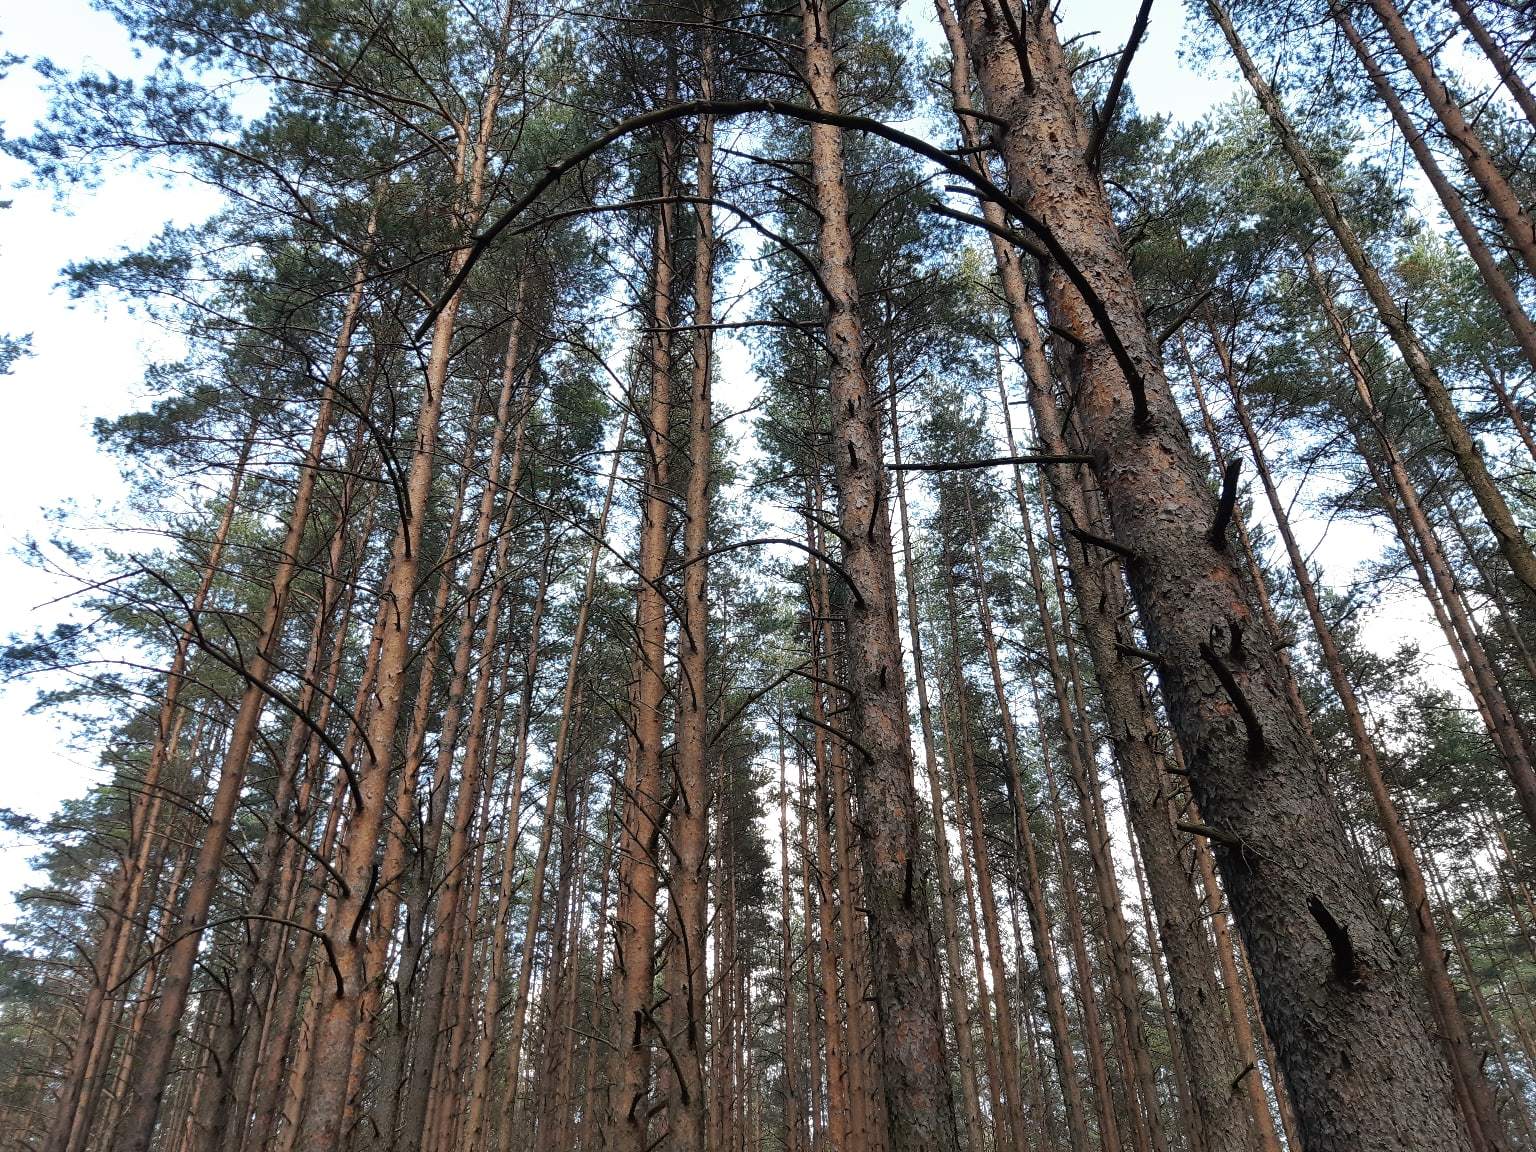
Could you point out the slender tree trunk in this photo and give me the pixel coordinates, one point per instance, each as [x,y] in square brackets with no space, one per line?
[1512,542]
[635,927]
[1504,728]
[794,1107]
[1500,194]
[407,888]
[840,1120]
[80,1096]
[958,995]
[1498,285]
[164,1024]
[1148,1126]
[1077,937]
[906,977]
[813,1030]
[1490,1028]
[1237,1007]
[689,825]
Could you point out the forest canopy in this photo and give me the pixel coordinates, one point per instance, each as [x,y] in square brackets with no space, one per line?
[801,578]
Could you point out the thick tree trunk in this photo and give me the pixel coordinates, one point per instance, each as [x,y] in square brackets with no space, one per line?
[1364,1073]
[1481,1115]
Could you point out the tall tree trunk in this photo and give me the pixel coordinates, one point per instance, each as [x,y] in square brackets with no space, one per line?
[908,1003]
[1250,1077]
[959,997]
[635,927]
[1127,993]
[79,1096]
[1133,731]
[1482,1119]
[1503,725]
[794,1107]
[1364,1073]
[689,825]
[415,1108]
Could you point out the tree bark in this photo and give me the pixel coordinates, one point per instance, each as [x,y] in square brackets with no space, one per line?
[1364,1073]
[1483,1125]
[908,1003]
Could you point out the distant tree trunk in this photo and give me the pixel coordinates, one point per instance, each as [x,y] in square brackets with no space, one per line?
[488,567]
[164,1024]
[1237,1007]
[953,759]
[635,926]
[1082,965]
[1498,285]
[1490,1028]
[1512,543]
[838,1111]
[79,1096]
[1012,1120]
[1503,725]
[1497,190]
[794,1108]
[959,1005]
[818,1135]
[1127,993]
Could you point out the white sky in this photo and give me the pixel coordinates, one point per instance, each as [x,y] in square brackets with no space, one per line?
[88,358]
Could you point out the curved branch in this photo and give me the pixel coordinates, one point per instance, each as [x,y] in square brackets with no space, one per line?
[727,109]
